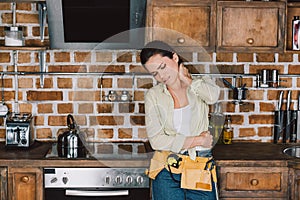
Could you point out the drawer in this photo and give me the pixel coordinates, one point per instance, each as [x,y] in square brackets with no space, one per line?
[253,181]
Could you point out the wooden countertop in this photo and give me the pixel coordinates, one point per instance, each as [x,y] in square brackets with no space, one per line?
[265,153]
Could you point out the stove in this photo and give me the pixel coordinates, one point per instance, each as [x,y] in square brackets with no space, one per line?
[105,150]
[113,183]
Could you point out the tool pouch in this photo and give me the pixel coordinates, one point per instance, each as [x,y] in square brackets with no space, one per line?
[157,163]
[197,175]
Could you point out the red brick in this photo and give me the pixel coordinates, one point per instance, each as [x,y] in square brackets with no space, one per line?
[44,95]
[124,133]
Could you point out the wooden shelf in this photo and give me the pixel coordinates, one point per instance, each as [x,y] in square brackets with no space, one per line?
[24,48]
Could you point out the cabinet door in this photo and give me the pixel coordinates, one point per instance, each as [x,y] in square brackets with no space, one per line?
[250,26]
[253,182]
[3,184]
[182,23]
[25,184]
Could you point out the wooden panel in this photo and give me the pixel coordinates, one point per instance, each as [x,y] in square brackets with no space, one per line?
[25,183]
[250,26]
[195,28]
[3,184]
[182,23]
[253,181]
[242,24]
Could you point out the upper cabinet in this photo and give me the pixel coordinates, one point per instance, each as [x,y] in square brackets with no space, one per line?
[254,26]
[222,26]
[183,23]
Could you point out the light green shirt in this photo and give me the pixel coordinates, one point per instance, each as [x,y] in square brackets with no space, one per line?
[159,109]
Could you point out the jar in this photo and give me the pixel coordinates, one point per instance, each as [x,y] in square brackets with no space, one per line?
[112,96]
[14,36]
[125,96]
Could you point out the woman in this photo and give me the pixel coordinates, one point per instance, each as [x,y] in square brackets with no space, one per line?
[177,127]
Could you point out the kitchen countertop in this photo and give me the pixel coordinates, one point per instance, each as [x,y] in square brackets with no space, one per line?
[266,153]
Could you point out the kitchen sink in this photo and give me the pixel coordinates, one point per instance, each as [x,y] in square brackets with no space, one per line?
[293,151]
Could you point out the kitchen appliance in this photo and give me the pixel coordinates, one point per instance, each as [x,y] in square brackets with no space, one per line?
[19,130]
[71,142]
[109,182]
[96,183]
[110,24]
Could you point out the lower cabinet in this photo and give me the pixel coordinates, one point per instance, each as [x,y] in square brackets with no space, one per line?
[25,183]
[3,183]
[253,183]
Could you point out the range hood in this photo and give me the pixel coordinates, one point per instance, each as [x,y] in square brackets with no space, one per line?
[96,24]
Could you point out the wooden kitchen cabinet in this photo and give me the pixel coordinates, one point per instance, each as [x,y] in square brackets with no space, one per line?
[25,183]
[254,26]
[183,23]
[253,182]
[3,183]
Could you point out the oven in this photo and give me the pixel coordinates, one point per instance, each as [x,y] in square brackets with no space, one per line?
[102,183]
[96,183]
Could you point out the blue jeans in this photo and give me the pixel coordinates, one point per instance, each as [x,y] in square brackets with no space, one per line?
[165,188]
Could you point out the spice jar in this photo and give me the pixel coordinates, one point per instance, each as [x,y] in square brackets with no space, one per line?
[125,96]
[14,36]
[112,96]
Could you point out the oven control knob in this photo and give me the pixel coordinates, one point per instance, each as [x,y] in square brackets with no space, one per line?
[65,180]
[53,180]
[107,180]
[139,180]
[118,180]
[129,179]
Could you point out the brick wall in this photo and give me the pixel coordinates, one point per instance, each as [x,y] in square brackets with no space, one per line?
[81,95]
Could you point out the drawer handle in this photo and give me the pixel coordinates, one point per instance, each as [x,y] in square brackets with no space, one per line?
[250,40]
[254,182]
[181,40]
[25,179]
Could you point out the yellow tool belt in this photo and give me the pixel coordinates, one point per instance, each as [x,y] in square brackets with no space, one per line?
[195,174]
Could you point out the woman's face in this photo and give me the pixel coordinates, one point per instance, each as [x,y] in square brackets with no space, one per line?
[164,69]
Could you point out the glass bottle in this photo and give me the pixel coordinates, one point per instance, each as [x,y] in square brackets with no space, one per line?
[227,131]
[216,122]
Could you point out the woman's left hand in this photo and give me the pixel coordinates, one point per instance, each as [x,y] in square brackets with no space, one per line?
[184,75]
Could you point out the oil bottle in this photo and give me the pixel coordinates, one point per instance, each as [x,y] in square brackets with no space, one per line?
[227,131]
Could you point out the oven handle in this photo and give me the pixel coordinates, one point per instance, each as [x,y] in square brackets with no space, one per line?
[92,193]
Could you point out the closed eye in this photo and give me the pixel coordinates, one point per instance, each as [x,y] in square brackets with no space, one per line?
[154,74]
[163,66]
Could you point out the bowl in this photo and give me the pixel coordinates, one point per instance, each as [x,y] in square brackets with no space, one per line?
[293,151]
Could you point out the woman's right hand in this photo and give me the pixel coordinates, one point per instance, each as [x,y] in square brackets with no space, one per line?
[206,139]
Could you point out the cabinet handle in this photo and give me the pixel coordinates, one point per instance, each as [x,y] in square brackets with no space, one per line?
[250,40]
[25,179]
[181,40]
[254,182]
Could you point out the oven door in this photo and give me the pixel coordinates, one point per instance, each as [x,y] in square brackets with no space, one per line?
[96,193]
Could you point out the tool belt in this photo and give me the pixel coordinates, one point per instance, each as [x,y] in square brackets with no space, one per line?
[195,174]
